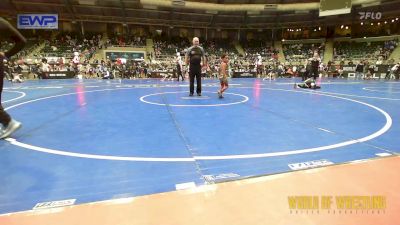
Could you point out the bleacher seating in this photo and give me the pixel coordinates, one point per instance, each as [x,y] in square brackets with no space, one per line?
[65,44]
[363,50]
[127,41]
[258,47]
[164,47]
[219,46]
[299,52]
[30,44]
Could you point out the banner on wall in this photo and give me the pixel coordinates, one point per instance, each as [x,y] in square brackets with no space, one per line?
[37,21]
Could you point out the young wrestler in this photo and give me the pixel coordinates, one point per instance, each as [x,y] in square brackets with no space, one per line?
[223,75]
[309,83]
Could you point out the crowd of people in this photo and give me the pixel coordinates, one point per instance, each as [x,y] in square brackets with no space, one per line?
[259,58]
[126,41]
[299,52]
[378,50]
[167,47]
[259,47]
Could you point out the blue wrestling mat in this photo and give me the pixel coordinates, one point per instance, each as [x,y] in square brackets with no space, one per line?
[96,140]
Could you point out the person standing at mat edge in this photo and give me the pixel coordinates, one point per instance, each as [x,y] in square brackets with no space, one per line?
[9,125]
[179,66]
[195,57]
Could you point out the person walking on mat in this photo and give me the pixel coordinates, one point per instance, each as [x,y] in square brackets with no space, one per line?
[8,125]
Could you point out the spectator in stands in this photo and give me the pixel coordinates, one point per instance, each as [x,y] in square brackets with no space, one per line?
[179,66]
[341,64]
[370,72]
[340,73]
[379,61]
[350,63]
[259,64]
[366,66]
[395,70]
[359,69]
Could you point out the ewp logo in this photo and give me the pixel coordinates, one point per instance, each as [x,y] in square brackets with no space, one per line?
[38,21]
[370,15]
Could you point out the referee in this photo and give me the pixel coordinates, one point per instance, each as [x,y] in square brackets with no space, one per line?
[194,56]
[315,61]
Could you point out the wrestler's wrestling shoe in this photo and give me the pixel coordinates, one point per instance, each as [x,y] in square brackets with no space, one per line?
[11,128]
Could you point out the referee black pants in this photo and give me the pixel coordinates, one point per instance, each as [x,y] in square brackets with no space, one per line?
[195,73]
[314,74]
[4,117]
[304,75]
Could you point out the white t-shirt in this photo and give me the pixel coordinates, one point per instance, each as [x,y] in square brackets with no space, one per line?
[45,67]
